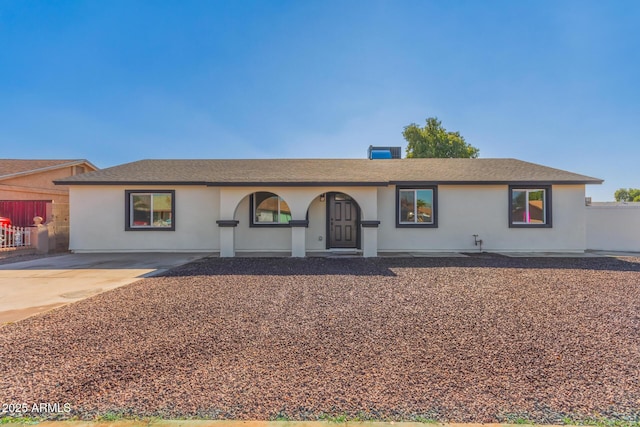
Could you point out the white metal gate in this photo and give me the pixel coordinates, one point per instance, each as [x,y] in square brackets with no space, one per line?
[14,237]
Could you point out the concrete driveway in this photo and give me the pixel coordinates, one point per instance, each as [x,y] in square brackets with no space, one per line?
[31,287]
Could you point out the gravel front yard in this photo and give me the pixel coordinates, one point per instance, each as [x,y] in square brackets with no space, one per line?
[454,339]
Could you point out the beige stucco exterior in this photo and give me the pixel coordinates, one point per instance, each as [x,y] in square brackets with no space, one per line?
[39,185]
[483,210]
[299,199]
[98,221]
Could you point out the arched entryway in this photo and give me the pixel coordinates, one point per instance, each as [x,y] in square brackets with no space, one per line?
[343,222]
[262,223]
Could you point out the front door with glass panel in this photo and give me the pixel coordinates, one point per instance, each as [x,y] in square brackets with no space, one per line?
[342,221]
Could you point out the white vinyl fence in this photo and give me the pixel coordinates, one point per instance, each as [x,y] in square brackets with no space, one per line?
[15,237]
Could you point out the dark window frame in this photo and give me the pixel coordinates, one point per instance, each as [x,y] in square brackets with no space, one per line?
[547,206]
[252,222]
[127,210]
[434,208]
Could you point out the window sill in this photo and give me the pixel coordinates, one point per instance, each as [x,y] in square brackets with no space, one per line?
[530,226]
[416,225]
[150,229]
[274,225]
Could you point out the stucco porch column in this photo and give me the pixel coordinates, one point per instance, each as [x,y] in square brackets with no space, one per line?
[370,238]
[298,237]
[227,240]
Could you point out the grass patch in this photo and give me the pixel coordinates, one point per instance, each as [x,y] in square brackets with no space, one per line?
[519,419]
[339,418]
[280,416]
[110,416]
[600,422]
[19,420]
[426,420]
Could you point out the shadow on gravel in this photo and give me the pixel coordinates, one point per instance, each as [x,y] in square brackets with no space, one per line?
[282,267]
[385,266]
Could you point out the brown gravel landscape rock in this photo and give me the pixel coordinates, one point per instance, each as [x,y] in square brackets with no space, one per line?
[454,339]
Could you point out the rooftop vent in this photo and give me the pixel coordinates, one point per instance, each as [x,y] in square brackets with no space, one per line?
[384,153]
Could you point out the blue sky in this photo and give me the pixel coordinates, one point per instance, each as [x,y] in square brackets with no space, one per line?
[551,82]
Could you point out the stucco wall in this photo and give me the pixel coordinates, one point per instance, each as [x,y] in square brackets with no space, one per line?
[316,233]
[12,192]
[613,228]
[97,218]
[42,180]
[259,238]
[39,186]
[480,209]
[299,200]
[97,221]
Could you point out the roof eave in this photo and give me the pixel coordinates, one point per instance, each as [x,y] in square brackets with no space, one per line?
[77,182]
[230,184]
[499,182]
[330,183]
[301,184]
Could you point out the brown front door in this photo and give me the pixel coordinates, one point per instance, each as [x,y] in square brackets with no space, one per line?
[343,221]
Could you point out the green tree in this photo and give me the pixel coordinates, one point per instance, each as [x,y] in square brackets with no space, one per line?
[621,195]
[433,140]
[627,195]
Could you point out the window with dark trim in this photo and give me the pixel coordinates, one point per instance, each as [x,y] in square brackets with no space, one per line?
[268,210]
[417,206]
[150,210]
[529,206]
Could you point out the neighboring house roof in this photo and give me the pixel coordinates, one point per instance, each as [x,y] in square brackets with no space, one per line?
[12,168]
[307,172]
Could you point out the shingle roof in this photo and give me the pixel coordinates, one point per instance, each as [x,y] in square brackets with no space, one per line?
[13,167]
[327,171]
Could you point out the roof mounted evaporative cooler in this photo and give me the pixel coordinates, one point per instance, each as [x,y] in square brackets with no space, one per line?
[376,153]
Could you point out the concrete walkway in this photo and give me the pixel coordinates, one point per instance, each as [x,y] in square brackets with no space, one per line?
[30,287]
